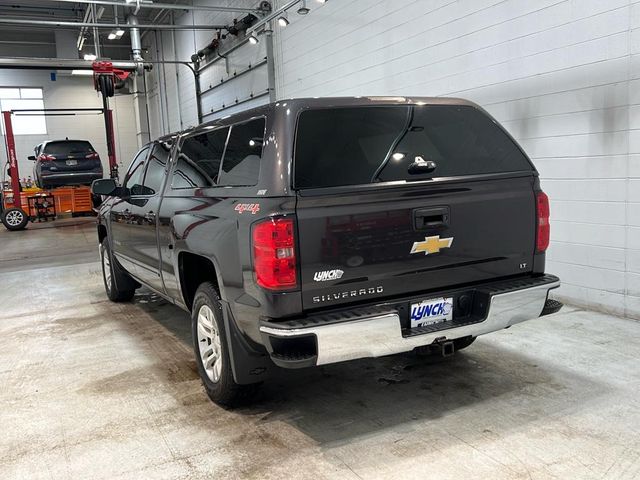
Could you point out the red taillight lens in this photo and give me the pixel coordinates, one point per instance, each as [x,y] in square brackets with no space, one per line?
[544,229]
[92,155]
[45,157]
[274,256]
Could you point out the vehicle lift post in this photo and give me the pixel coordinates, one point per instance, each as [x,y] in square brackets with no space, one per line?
[13,159]
[105,80]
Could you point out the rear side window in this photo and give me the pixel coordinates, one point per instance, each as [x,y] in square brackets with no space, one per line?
[241,164]
[360,145]
[199,158]
[68,147]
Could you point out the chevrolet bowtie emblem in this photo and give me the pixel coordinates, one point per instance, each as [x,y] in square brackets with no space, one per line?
[431,245]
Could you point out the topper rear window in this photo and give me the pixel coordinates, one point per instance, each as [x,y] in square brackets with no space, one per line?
[369,144]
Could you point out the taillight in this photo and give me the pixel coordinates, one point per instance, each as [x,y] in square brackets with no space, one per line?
[46,157]
[92,155]
[274,256]
[542,216]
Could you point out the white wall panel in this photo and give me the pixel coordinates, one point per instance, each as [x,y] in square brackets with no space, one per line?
[561,75]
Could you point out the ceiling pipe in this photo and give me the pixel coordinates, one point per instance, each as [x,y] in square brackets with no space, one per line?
[166,6]
[62,64]
[80,42]
[56,23]
[136,42]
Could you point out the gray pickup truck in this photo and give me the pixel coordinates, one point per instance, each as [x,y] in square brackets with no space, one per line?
[313,231]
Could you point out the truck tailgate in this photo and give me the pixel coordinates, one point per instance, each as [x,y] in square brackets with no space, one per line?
[395,240]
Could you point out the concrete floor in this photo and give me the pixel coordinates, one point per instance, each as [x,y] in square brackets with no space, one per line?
[93,389]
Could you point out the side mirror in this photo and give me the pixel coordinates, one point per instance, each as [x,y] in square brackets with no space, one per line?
[104,186]
[31,157]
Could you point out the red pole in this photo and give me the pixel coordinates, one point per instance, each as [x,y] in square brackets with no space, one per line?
[111,147]
[13,160]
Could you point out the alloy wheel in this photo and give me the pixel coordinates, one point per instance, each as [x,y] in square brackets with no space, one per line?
[209,344]
[14,218]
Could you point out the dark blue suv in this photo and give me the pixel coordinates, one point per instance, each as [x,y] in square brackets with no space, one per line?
[66,162]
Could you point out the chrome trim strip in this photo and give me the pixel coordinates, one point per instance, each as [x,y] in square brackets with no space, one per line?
[381,335]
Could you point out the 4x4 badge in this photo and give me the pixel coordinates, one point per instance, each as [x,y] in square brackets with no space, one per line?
[431,245]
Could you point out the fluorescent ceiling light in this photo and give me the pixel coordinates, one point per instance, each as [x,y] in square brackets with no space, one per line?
[90,56]
[82,72]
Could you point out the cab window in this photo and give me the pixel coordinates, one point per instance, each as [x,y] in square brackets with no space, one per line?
[156,168]
[198,159]
[133,179]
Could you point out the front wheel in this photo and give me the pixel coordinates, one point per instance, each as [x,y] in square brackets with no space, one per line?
[14,219]
[113,286]
[212,351]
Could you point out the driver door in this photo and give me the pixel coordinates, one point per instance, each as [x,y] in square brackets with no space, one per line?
[121,218]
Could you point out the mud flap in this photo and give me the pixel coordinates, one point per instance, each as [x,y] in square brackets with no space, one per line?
[249,364]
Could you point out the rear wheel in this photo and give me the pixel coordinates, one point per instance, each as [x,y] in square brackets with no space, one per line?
[114,278]
[14,219]
[212,351]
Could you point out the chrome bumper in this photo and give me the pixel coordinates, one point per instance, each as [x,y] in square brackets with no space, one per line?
[382,335]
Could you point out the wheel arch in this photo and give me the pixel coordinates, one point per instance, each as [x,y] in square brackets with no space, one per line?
[195,269]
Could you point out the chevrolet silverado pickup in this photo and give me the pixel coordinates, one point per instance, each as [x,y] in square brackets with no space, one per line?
[313,231]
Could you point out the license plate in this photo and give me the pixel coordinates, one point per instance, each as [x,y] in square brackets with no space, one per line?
[72,162]
[432,311]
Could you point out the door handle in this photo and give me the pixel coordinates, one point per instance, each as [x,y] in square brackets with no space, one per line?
[431,217]
[150,217]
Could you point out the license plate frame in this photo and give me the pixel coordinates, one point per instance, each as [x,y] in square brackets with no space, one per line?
[421,312]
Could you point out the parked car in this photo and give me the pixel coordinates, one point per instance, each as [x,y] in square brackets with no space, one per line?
[66,162]
[314,231]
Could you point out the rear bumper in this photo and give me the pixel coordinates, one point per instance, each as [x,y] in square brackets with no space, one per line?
[69,178]
[370,333]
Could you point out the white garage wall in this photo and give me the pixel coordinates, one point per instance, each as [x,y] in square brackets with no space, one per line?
[73,92]
[562,76]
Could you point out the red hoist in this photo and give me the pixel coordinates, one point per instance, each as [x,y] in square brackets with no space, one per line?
[19,205]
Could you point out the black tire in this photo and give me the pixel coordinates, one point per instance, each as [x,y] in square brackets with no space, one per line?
[464,342]
[217,377]
[14,219]
[117,283]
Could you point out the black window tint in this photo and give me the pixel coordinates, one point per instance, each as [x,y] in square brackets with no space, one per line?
[66,147]
[134,175]
[350,146]
[241,165]
[156,167]
[199,160]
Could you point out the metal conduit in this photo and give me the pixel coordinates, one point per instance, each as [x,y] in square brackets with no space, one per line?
[56,23]
[165,6]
